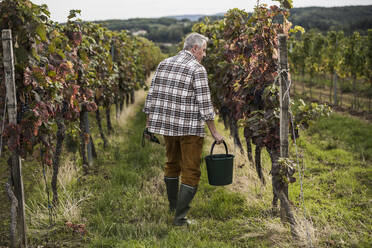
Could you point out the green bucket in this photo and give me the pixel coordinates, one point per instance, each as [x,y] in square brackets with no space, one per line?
[220,167]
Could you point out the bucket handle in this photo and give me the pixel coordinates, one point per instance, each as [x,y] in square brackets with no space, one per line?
[215,142]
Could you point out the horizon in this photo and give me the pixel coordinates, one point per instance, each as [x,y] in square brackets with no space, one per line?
[220,13]
[114,10]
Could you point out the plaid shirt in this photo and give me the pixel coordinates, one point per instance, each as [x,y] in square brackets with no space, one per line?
[179,102]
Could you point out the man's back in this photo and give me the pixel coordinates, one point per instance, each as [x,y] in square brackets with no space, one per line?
[179,100]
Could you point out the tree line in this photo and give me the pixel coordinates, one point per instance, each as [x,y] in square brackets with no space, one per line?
[347,18]
[170,30]
[165,30]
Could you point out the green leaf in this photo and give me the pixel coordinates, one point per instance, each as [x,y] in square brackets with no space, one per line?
[73,13]
[84,56]
[51,48]
[297,29]
[35,55]
[52,73]
[41,31]
[60,53]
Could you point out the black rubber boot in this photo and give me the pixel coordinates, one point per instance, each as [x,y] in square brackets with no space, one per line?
[185,196]
[172,191]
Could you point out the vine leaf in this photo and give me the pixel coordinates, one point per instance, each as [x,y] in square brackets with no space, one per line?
[41,32]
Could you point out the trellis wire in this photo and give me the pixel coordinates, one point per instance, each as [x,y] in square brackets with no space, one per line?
[288,85]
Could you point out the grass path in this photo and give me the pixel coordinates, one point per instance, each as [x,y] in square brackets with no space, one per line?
[137,213]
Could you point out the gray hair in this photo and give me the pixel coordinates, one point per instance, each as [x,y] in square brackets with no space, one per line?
[194,39]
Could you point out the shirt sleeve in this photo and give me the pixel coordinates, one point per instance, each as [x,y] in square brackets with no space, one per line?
[147,107]
[203,95]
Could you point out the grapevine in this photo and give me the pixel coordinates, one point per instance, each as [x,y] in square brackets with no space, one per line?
[242,65]
[63,72]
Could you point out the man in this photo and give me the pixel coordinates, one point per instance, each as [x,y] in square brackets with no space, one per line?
[177,106]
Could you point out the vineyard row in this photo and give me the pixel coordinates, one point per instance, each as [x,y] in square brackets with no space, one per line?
[346,61]
[62,72]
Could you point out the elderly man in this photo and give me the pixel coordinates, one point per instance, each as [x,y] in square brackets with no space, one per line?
[177,106]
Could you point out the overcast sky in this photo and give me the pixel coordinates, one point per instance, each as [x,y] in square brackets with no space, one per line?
[124,9]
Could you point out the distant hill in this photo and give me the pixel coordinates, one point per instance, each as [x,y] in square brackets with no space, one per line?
[171,29]
[192,18]
[348,18]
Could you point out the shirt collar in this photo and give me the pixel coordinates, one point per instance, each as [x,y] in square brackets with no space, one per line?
[188,52]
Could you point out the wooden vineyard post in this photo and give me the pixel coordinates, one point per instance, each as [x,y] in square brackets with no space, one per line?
[284,96]
[117,106]
[335,101]
[85,141]
[282,188]
[89,145]
[284,100]
[19,240]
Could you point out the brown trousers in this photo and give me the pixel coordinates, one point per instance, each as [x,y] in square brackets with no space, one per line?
[184,158]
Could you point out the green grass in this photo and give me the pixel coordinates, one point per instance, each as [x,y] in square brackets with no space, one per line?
[130,209]
[338,176]
[346,133]
[32,177]
[123,202]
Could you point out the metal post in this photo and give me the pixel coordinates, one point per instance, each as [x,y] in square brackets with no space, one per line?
[12,113]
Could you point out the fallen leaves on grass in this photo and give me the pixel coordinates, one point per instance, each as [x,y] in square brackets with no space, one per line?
[77,228]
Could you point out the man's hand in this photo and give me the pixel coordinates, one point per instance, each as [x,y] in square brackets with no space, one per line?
[217,137]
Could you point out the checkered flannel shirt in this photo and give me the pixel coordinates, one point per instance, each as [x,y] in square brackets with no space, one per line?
[179,102]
